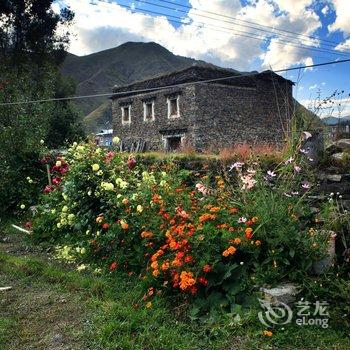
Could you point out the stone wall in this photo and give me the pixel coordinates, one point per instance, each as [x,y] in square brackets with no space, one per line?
[212,116]
[227,115]
[154,131]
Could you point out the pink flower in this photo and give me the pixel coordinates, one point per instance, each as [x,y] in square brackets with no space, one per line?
[48,189]
[248,182]
[131,163]
[202,189]
[109,156]
[297,168]
[237,165]
[242,220]
[306,185]
[56,180]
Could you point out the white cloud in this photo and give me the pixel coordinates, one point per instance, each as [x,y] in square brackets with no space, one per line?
[333,107]
[312,87]
[105,25]
[343,46]
[325,10]
[342,21]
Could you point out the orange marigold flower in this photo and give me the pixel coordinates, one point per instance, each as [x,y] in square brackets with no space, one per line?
[146,234]
[257,243]
[186,280]
[180,255]
[267,333]
[207,217]
[149,305]
[124,224]
[154,265]
[176,262]
[249,232]
[155,273]
[255,219]
[99,219]
[237,241]
[113,266]
[125,201]
[105,226]
[249,223]
[233,210]
[229,251]
[165,266]
[214,209]
[206,268]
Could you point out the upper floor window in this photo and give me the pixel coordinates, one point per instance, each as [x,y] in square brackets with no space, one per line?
[126,114]
[173,107]
[148,111]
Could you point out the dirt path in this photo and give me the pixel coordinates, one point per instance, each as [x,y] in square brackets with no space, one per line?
[35,313]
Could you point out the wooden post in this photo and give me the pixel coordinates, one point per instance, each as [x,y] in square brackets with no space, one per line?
[48,174]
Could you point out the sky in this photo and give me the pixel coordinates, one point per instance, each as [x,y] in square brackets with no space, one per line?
[242,34]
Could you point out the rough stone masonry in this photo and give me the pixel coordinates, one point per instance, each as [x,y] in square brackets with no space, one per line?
[208,116]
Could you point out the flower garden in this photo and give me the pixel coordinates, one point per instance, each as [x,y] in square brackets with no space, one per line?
[196,235]
[201,238]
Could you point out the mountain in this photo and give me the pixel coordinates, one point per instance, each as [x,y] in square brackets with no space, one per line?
[331,121]
[99,72]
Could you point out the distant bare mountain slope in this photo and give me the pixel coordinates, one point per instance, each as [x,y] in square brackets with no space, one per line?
[99,72]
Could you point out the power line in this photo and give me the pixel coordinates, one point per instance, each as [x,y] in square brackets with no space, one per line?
[250,22]
[170,86]
[233,19]
[235,31]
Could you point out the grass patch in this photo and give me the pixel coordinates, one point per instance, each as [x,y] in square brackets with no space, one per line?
[53,306]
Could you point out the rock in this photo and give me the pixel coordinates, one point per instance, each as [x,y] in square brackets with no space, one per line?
[284,293]
[321,266]
[338,157]
[314,144]
[4,289]
[332,148]
[343,144]
[334,178]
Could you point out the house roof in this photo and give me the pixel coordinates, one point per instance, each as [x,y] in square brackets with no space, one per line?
[200,73]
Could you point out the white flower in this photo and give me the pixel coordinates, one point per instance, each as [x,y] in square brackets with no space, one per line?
[22,206]
[297,168]
[58,163]
[306,135]
[271,173]
[289,160]
[65,209]
[42,142]
[108,186]
[116,140]
[81,267]
[139,208]
[242,220]
[304,151]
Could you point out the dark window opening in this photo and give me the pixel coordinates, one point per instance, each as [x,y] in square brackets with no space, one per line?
[174,143]
[126,114]
[149,111]
[173,107]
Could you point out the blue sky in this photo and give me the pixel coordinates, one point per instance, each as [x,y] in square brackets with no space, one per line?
[226,33]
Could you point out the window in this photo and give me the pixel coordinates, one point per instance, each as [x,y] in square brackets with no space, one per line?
[148,111]
[173,107]
[126,114]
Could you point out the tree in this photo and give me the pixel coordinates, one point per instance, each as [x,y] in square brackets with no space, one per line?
[31,50]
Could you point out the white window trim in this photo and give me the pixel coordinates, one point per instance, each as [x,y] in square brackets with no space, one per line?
[178,107]
[145,111]
[126,122]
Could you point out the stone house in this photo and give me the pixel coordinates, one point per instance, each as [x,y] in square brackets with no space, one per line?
[177,110]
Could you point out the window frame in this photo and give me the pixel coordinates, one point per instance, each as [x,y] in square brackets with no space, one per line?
[169,99]
[126,122]
[145,119]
